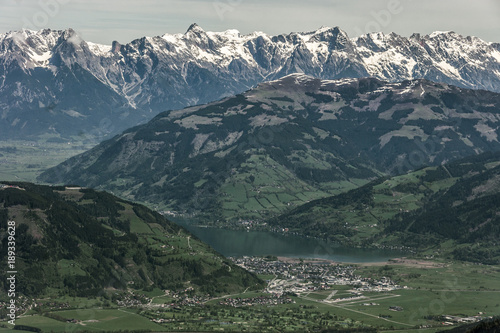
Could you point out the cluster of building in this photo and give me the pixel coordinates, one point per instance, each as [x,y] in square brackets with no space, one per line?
[3,187]
[396,308]
[54,305]
[452,320]
[23,304]
[300,277]
[130,299]
[186,301]
[262,300]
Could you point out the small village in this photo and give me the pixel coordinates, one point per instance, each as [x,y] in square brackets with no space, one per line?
[305,276]
[23,304]
[449,320]
[262,300]
[4,187]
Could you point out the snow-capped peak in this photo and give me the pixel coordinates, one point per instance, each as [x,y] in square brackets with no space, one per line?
[157,72]
[438,33]
[231,32]
[323,28]
[99,50]
[194,28]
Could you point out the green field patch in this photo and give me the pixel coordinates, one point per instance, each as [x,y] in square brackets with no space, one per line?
[442,184]
[136,224]
[271,189]
[492,165]
[285,198]
[69,267]
[253,204]
[441,276]
[97,319]
[48,324]
[384,198]
[335,188]
[322,134]
[25,160]
[307,159]
[158,231]
[308,196]
[418,304]
[163,300]
[200,182]
[236,192]
[231,205]
[265,203]
[273,199]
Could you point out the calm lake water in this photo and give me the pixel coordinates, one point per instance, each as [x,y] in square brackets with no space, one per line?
[259,243]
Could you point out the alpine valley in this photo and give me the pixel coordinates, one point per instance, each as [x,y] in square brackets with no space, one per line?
[53,84]
[379,141]
[287,142]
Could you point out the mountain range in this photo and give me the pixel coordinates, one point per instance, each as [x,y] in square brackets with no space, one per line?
[287,142]
[54,84]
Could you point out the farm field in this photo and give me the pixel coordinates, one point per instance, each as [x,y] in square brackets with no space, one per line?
[26,160]
[274,190]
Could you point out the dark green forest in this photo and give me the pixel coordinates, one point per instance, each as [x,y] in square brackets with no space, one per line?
[81,241]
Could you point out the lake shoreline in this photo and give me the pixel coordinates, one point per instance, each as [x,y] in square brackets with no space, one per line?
[241,243]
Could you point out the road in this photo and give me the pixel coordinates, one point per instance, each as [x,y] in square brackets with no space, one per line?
[352,310]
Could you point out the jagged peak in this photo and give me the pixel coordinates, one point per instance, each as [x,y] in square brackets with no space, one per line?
[416,36]
[115,46]
[68,33]
[20,36]
[322,30]
[440,33]
[335,37]
[325,28]
[70,36]
[378,36]
[452,35]
[232,33]
[194,28]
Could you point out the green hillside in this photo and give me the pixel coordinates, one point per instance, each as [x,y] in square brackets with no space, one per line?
[285,143]
[78,242]
[451,210]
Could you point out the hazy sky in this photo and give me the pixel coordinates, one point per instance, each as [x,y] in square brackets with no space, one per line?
[103,21]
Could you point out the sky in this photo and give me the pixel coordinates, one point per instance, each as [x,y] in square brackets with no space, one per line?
[103,21]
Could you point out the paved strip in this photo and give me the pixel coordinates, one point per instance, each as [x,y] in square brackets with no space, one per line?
[360,312]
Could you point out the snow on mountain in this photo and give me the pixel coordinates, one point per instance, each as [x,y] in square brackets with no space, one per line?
[152,74]
[99,49]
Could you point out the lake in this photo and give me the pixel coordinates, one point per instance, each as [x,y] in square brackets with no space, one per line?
[238,243]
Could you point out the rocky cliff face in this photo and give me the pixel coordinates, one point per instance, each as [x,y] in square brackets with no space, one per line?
[55,82]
